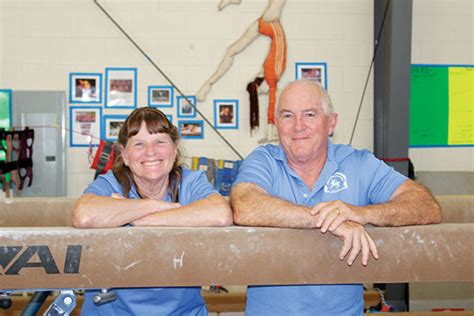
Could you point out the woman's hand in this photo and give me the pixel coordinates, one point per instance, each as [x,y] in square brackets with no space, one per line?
[158,204]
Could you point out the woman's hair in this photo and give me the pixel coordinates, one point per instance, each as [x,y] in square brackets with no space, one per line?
[156,122]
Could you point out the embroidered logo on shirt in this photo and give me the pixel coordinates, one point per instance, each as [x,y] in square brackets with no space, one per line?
[337,182]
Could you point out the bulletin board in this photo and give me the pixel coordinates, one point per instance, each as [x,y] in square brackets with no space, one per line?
[5,114]
[442,105]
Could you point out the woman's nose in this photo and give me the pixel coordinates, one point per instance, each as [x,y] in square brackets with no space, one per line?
[150,149]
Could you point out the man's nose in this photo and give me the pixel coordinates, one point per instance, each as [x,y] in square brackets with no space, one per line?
[299,124]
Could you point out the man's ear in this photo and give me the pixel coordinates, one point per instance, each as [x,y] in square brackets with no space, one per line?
[332,124]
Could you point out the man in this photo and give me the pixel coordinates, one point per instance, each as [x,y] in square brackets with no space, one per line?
[308,182]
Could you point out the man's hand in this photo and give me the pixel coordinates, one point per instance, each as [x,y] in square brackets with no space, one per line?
[356,240]
[332,214]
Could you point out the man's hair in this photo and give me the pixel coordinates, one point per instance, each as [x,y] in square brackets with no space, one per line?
[326,99]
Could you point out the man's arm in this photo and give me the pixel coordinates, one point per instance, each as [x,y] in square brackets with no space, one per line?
[213,210]
[410,204]
[253,206]
[93,211]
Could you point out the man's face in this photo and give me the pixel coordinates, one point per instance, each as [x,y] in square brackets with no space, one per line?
[303,126]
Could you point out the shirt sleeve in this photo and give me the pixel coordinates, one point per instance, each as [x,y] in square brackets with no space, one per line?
[383,180]
[258,169]
[102,186]
[194,187]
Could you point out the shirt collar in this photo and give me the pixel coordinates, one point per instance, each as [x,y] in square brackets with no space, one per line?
[133,194]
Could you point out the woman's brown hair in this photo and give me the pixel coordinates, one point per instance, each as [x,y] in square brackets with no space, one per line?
[156,122]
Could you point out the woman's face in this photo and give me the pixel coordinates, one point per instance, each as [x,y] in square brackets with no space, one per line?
[150,157]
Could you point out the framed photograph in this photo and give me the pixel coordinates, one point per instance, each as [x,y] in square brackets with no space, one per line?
[186,106]
[85,125]
[85,87]
[226,114]
[312,71]
[121,88]
[160,96]
[191,129]
[111,126]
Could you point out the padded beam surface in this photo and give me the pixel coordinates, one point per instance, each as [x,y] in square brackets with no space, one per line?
[130,257]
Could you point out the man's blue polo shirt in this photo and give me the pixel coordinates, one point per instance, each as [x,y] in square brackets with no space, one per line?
[152,301]
[349,175]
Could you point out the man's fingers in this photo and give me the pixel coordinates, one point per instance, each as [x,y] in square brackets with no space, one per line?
[323,210]
[314,211]
[365,249]
[337,221]
[346,247]
[328,221]
[373,246]
[323,214]
[355,250]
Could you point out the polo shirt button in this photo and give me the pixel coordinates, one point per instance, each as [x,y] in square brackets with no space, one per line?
[305,195]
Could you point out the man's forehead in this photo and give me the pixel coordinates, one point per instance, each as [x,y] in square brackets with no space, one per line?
[306,104]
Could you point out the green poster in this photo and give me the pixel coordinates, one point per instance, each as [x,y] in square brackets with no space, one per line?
[441,105]
[5,114]
[428,106]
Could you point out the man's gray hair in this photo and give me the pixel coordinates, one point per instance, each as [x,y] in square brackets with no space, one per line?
[326,99]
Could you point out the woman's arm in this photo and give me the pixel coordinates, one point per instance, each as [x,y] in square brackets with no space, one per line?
[93,211]
[213,210]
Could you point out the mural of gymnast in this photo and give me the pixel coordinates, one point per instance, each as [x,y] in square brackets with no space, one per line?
[269,25]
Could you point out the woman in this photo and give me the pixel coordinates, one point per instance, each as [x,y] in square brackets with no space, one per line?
[147,187]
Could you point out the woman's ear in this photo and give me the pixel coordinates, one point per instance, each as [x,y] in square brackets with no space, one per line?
[124,154]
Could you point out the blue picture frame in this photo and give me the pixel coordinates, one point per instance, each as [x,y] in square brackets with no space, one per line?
[316,71]
[121,88]
[84,121]
[111,124]
[226,114]
[191,129]
[184,109]
[85,88]
[160,96]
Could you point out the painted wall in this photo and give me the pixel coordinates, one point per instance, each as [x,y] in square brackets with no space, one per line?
[443,33]
[43,41]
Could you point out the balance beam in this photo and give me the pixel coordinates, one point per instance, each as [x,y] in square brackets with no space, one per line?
[57,212]
[64,257]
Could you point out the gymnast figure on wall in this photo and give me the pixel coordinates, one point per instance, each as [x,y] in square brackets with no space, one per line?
[269,25]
